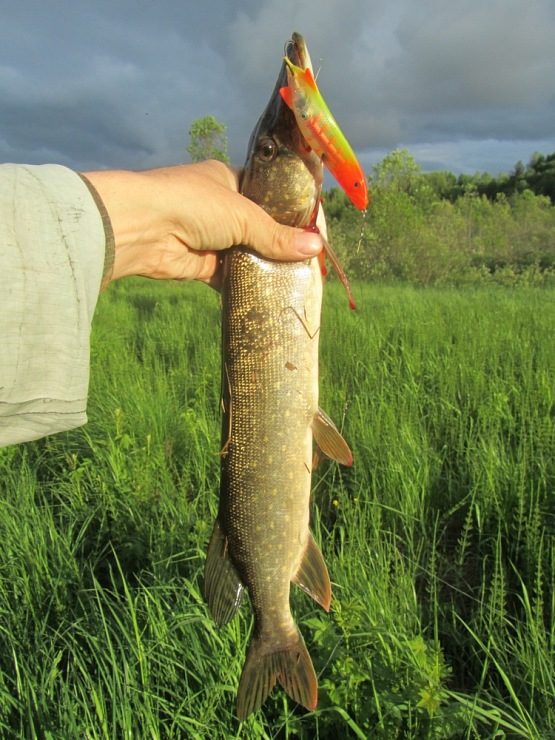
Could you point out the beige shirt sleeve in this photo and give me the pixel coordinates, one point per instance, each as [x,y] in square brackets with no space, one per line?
[53,251]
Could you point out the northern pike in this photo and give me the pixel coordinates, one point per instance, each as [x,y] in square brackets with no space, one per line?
[270,330]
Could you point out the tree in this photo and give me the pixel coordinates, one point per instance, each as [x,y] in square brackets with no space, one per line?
[442,182]
[208,140]
[541,174]
[398,171]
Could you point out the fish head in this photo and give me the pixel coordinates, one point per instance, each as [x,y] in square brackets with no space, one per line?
[282,174]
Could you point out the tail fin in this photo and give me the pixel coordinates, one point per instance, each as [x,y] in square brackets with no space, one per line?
[291,666]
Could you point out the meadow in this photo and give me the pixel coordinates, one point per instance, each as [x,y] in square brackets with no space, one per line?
[440,540]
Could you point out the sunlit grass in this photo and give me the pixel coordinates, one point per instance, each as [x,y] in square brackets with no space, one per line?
[439,541]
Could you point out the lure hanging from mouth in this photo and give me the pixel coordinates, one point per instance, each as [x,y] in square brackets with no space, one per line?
[322,133]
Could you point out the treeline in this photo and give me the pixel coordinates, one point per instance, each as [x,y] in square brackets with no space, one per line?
[436,228]
[538,176]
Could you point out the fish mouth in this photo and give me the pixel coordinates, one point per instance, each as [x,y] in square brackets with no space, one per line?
[276,114]
[296,51]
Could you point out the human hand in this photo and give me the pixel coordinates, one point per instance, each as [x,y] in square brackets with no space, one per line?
[172,222]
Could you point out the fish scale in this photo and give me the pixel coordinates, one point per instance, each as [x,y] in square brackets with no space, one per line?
[272,397]
[261,540]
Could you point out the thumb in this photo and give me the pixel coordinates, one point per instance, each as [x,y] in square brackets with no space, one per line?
[278,242]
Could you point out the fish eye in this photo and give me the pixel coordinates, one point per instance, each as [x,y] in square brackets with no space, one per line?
[267,150]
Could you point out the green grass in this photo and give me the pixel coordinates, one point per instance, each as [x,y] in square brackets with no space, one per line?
[440,541]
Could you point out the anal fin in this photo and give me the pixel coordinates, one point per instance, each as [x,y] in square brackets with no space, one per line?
[222,586]
[329,439]
[313,576]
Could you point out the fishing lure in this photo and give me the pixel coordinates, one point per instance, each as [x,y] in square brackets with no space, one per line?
[322,133]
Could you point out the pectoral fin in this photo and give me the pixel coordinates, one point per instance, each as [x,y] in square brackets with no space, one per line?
[312,575]
[329,439]
[222,586]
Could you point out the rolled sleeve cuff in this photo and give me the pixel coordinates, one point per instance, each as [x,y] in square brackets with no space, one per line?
[55,252]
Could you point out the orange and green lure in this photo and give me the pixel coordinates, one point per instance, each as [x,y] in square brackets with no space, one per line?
[321,132]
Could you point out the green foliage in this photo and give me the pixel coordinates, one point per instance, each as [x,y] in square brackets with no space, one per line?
[440,540]
[397,172]
[208,140]
[538,176]
[414,232]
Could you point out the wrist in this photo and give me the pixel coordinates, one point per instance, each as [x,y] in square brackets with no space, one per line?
[109,246]
[135,215]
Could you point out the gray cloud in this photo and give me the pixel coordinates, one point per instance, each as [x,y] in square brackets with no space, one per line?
[467,85]
[476,53]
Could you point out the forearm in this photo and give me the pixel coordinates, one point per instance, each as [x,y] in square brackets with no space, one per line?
[172,222]
[137,222]
[52,256]
[169,222]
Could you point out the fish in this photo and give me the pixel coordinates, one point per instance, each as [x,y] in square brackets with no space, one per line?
[322,133]
[261,541]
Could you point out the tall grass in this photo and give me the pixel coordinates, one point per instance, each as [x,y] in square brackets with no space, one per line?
[440,540]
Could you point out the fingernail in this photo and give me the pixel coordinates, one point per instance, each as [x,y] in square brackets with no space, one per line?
[307,244]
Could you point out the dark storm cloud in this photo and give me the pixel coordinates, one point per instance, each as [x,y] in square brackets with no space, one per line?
[475,68]
[112,86]
[117,84]
[458,71]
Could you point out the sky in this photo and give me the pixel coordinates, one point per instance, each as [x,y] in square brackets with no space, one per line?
[465,86]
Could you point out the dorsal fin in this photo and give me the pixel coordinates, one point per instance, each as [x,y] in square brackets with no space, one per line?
[222,586]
